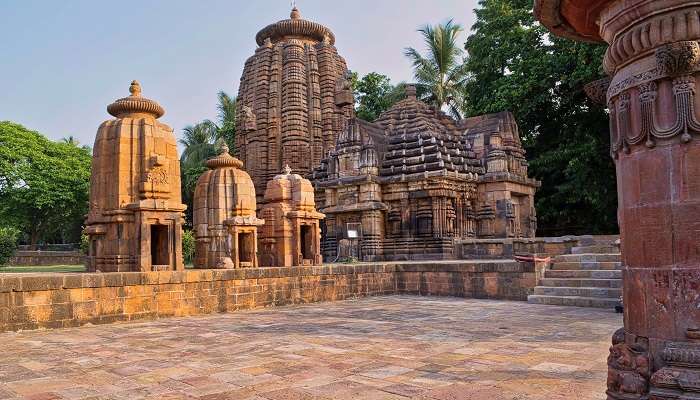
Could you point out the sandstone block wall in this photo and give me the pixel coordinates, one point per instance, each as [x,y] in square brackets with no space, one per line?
[29,257]
[66,300]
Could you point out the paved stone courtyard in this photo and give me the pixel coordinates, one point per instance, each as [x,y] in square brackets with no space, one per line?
[396,347]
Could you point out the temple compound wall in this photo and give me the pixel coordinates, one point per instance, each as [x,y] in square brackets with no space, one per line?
[66,300]
[415,181]
[135,218]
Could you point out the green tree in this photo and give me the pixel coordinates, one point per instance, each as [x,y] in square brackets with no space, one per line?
[199,142]
[43,185]
[514,64]
[227,119]
[372,95]
[441,73]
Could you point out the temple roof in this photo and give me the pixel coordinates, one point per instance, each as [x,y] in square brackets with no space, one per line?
[295,27]
[422,139]
[135,104]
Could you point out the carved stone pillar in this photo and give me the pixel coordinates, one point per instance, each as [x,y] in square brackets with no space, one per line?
[653,61]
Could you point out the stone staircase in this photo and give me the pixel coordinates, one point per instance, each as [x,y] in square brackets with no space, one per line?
[590,276]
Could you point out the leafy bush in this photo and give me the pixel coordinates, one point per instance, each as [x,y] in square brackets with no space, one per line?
[188,246]
[8,244]
[84,243]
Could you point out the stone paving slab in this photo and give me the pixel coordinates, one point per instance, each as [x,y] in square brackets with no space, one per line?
[393,347]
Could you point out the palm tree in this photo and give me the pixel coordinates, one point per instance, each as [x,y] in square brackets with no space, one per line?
[199,143]
[441,74]
[227,118]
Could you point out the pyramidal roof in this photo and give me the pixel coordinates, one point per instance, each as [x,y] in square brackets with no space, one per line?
[424,141]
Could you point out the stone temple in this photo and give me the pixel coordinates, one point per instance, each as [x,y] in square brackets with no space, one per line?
[293,100]
[409,184]
[136,213]
[406,186]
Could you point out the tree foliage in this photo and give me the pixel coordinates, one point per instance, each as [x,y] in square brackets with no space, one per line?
[200,142]
[441,73]
[375,94]
[43,185]
[514,64]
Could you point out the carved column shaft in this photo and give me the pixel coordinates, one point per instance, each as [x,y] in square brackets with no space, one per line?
[655,140]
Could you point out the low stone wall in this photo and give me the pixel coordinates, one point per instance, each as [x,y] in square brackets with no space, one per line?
[28,257]
[65,300]
[509,248]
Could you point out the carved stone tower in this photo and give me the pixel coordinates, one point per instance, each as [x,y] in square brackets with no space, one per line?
[294,99]
[135,217]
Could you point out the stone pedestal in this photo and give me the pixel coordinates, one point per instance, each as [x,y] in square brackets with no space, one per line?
[653,61]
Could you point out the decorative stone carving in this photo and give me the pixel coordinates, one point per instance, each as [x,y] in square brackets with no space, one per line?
[291,87]
[135,217]
[598,90]
[225,224]
[343,91]
[628,370]
[291,235]
[679,57]
[247,119]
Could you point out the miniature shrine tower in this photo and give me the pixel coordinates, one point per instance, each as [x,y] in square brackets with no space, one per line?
[292,233]
[136,214]
[226,228]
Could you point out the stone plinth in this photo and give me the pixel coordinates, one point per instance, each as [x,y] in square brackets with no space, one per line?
[225,224]
[136,213]
[293,101]
[653,62]
[291,235]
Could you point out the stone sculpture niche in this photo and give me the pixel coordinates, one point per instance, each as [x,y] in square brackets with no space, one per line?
[225,224]
[292,234]
[136,214]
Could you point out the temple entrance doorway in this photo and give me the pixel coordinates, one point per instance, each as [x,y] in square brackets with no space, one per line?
[160,249]
[246,249]
[307,241]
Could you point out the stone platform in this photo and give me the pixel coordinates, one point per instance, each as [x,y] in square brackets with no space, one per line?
[34,301]
[388,347]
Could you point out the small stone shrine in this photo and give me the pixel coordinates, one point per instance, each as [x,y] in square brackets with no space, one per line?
[225,224]
[291,235]
[408,184]
[136,213]
[294,100]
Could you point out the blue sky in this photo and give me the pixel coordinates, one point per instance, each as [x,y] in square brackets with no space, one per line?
[63,61]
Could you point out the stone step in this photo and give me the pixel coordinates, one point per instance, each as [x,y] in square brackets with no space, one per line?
[581,282]
[584,274]
[595,249]
[609,257]
[574,301]
[599,292]
[607,265]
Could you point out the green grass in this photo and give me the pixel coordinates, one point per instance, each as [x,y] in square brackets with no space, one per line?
[43,268]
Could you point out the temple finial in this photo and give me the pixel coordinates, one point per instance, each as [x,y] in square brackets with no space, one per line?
[135,89]
[295,14]
[286,170]
[410,91]
[223,148]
